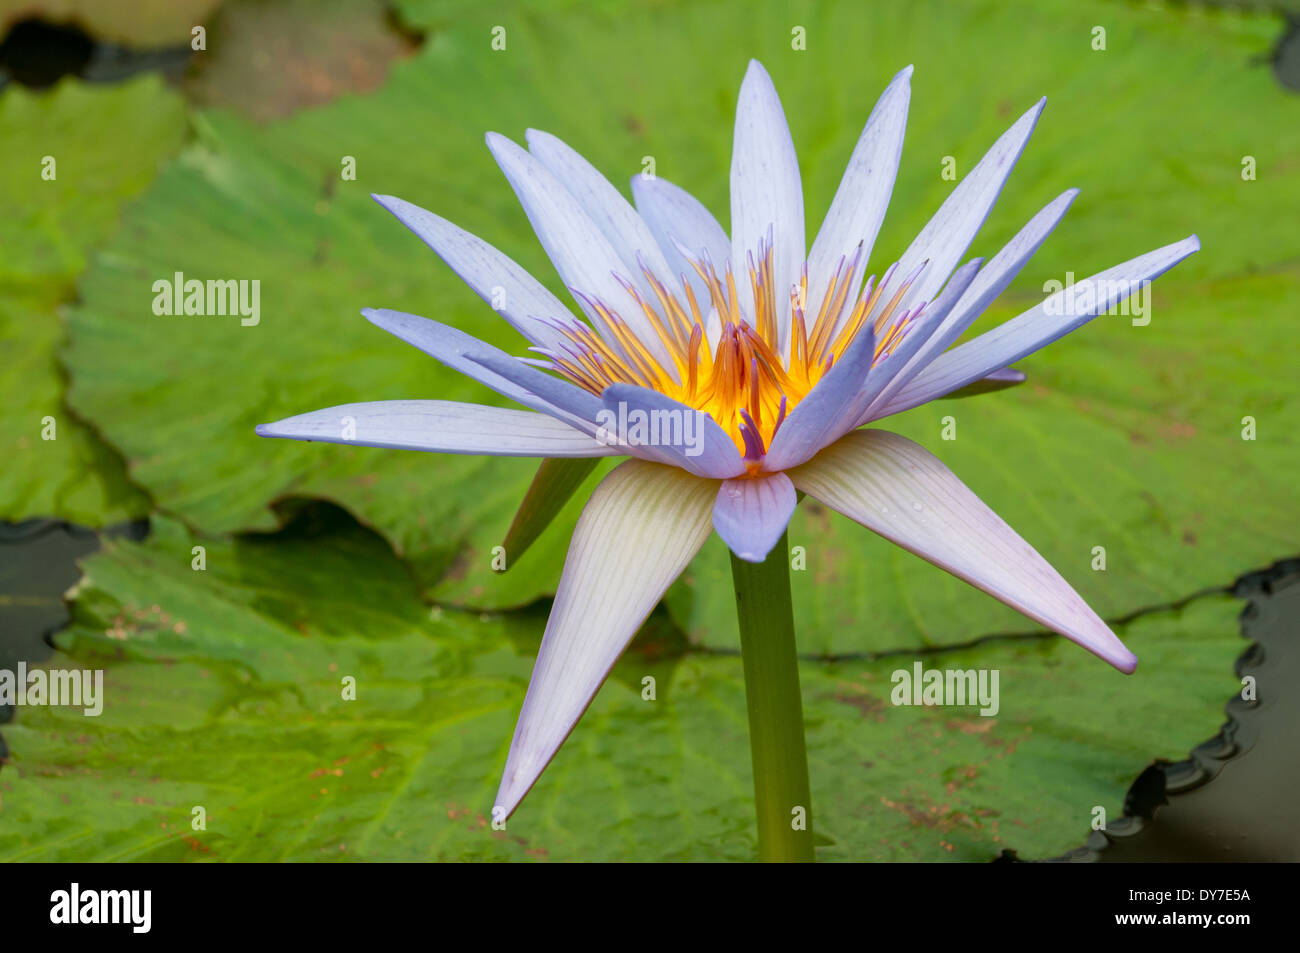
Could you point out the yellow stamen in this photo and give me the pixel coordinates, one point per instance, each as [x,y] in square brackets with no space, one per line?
[744,371]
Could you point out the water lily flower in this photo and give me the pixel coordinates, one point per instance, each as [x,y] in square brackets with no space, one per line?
[733,371]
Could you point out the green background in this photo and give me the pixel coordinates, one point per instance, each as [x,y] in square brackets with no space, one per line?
[1125,437]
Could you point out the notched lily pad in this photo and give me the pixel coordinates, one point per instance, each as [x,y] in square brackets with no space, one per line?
[1233,798]
[226,689]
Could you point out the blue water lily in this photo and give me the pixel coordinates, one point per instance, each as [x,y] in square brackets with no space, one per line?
[734,371]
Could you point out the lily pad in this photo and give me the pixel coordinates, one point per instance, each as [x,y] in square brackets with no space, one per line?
[1128,436]
[64,190]
[225,690]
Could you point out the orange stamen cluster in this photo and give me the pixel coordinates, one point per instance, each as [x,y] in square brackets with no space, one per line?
[748,380]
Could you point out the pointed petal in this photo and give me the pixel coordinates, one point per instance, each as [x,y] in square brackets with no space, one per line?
[751,514]
[493,276]
[491,366]
[834,406]
[903,492]
[640,529]
[988,284]
[582,254]
[766,192]
[677,435]
[948,234]
[556,480]
[441,426]
[617,220]
[863,195]
[1034,329]
[674,215]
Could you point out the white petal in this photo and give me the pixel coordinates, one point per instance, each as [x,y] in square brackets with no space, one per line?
[1036,328]
[613,214]
[642,526]
[482,362]
[948,234]
[988,284]
[580,251]
[674,215]
[751,514]
[863,195]
[440,426]
[766,193]
[903,492]
[493,276]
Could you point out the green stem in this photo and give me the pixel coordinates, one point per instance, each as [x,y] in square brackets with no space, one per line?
[776,738]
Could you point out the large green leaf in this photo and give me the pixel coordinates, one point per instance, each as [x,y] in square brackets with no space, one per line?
[224,690]
[1126,438]
[102,146]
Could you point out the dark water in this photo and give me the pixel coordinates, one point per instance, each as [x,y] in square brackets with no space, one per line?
[1234,799]
[38,564]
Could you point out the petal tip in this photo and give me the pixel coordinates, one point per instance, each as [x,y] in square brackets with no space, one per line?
[1126,663]
[1032,114]
[756,72]
[1106,646]
[382,318]
[498,143]
[507,800]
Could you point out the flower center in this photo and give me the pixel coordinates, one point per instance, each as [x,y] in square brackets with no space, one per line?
[736,369]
